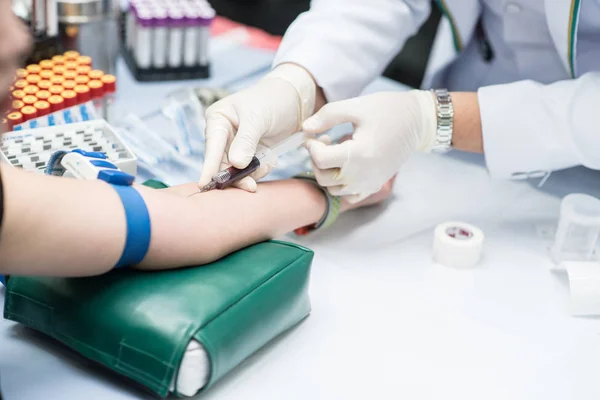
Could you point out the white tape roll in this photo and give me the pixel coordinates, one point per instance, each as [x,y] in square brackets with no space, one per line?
[584,281]
[457,244]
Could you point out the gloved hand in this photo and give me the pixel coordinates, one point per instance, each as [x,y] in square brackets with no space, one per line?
[264,114]
[388,128]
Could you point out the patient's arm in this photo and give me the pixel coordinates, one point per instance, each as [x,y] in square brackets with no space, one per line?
[68,227]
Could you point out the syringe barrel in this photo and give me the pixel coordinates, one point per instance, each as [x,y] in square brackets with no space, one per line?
[231,175]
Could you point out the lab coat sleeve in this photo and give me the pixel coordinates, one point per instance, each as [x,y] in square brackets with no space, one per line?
[531,127]
[345,44]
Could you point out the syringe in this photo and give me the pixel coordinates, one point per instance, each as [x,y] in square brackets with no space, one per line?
[229,176]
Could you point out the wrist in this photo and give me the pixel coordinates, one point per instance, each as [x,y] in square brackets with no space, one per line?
[304,85]
[426,104]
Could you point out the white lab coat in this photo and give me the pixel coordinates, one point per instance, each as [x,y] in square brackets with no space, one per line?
[528,127]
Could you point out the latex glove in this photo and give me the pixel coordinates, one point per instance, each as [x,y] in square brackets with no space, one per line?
[388,128]
[262,115]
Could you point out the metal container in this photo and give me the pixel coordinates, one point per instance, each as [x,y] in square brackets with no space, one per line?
[91,28]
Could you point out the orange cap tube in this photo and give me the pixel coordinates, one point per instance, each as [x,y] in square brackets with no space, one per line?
[46,74]
[44,85]
[43,108]
[21,73]
[33,69]
[18,94]
[43,95]
[96,74]
[31,89]
[56,103]
[70,98]
[55,89]
[13,119]
[97,88]
[71,55]
[58,60]
[46,64]
[58,69]
[70,85]
[28,112]
[29,100]
[21,84]
[110,83]
[83,93]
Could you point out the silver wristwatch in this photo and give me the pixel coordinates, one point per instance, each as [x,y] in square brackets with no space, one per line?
[445,121]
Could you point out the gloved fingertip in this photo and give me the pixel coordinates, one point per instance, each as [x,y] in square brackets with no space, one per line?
[312,125]
[248,184]
[240,158]
[326,139]
[310,144]
[354,198]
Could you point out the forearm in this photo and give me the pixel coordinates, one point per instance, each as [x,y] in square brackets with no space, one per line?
[467,135]
[65,227]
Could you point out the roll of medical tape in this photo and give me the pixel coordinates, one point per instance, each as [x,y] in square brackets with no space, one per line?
[457,244]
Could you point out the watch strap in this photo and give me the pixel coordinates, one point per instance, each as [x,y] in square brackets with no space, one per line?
[331,213]
[445,120]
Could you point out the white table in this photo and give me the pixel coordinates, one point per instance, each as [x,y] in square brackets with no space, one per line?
[387,323]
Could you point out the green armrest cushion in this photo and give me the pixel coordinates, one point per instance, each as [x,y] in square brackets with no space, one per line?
[140,323]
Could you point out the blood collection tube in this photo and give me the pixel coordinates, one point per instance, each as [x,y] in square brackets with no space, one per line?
[46,74]
[96,88]
[143,38]
[33,69]
[42,107]
[83,69]
[71,55]
[44,85]
[110,87]
[56,103]
[69,85]
[58,60]
[110,83]
[97,91]
[29,100]
[190,37]
[57,80]
[31,90]
[17,104]
[55,89]
[58,69]
[14,118]
[46,64]
[70,98]
[71,65]
[84,60]
[18,94]
[43,95]
[96,74]
[28,112]
[176,28]
[70,75]
[159,41]
[207,15]
[130,25]
[82,79]
[83,93]
[38,16]
[21,73]
[21,84]
[33,79]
